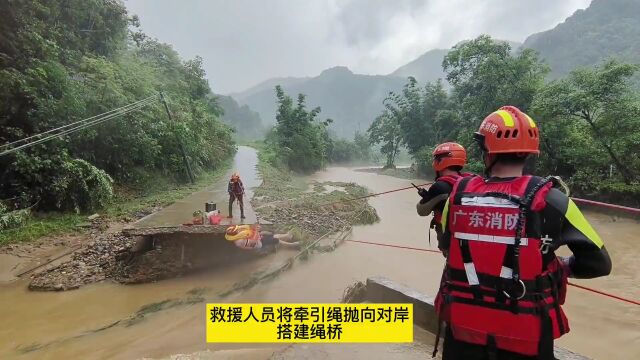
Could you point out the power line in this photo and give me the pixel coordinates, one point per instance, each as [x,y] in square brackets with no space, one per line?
[74,123]
[121,111]
[79,127]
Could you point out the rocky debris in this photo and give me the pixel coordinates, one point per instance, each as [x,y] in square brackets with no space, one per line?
[109,256]
[162,262]
[91,264]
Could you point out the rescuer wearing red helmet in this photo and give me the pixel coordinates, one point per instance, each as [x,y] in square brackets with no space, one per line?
[503,285]
[448,160]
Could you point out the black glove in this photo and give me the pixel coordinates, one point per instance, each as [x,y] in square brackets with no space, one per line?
[423,193]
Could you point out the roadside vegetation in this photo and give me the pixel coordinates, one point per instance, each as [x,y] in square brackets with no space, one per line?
[64,61]
[129,203]
[589,120]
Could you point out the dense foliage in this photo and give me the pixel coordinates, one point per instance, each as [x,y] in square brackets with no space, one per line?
[346,151]
[589,120]
[590,125]
[246,123]
[299,140]
[63,61]
[386,131]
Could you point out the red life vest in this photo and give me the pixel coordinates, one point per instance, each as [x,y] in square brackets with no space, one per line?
[451,180]
[492,294]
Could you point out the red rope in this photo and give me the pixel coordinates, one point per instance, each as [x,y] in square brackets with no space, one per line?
[634,302]
[372,195]
[605,294]
[395,246]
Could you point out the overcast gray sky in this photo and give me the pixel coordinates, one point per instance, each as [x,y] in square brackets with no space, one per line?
[244,42]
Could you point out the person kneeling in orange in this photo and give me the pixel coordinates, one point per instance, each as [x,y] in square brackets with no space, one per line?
[448,160]
[249,237]
[503,285]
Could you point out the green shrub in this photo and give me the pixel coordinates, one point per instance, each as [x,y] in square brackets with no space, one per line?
[80,187]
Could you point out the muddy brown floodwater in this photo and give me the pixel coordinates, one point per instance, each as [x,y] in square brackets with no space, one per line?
[601,328]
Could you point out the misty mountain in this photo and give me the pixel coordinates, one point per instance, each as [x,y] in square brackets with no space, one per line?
[351,100]
[427,67]
[269,84]
[246,123]
[606,29]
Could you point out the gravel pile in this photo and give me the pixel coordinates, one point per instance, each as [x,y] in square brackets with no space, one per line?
[91,264]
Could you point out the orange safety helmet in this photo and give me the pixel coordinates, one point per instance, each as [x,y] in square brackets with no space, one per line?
[239,232]
[508,130]
[449,154]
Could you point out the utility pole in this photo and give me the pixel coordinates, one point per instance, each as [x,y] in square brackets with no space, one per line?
[184,153]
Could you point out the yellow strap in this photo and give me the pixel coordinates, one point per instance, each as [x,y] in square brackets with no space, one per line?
[445,214]
[531,122]
[506,117]
[575,217]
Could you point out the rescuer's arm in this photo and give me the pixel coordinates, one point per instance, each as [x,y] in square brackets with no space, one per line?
[444,239]
[565,221]
[434,198]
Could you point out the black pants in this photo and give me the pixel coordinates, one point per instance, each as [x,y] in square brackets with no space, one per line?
[268,239]
[458,350]
[232,198]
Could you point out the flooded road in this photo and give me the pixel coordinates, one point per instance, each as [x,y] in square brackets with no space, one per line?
[601,328]
[182,210]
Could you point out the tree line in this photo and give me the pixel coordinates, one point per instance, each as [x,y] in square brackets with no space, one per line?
[66,60]
[589,120]
[301,142]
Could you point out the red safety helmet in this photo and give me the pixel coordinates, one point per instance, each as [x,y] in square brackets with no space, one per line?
[449,154]
[508,130]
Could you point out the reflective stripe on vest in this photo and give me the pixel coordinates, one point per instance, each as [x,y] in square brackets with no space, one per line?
[509,240]
[488,201]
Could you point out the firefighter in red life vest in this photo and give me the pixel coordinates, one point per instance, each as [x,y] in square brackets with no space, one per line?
[503,285]
[448,160]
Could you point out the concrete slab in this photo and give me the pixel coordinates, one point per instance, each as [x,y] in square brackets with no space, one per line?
[383,290]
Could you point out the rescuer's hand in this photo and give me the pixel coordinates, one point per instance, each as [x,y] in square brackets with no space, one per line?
[565,262]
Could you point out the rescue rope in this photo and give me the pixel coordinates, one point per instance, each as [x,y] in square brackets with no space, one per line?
[373,195]
[395,246]
[634,302]
[599,292]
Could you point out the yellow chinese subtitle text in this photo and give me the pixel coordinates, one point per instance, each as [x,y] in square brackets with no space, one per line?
[308,323]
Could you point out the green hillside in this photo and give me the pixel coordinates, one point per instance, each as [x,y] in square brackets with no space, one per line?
[606,29]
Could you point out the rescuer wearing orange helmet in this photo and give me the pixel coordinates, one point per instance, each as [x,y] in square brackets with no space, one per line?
[236,192]
[448,160]
[503,285]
